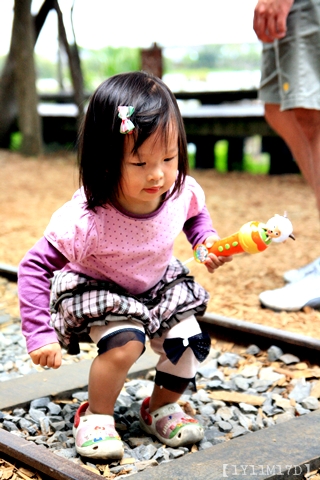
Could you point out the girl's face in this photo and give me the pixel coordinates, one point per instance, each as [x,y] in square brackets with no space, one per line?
[149,173]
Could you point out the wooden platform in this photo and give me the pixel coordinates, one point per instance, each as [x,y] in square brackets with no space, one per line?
[205,125]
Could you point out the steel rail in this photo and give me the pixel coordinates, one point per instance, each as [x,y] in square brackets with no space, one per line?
[232,325]
[9,272]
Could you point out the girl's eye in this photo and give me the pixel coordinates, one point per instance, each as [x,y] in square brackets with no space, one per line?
[169,159]
[138,164]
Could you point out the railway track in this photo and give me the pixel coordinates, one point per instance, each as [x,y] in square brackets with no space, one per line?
[288,451]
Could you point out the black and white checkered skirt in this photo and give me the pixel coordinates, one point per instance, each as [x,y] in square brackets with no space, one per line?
[78,302]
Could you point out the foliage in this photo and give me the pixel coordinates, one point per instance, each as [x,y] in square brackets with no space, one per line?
[100,64]
[45,68]
[254,164]
[15,141]
[194,62]
[214,57]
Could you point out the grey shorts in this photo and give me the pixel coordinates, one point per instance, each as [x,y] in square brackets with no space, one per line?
[290,72]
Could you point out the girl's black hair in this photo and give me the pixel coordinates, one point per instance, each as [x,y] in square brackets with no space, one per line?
[101,144]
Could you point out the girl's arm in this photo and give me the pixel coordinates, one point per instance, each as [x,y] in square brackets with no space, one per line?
[198,228]
[34,275]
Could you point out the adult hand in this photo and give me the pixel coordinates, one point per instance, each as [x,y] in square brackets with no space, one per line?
[270,19]
[47,356]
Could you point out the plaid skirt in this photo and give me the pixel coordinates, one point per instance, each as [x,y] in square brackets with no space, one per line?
[78,302]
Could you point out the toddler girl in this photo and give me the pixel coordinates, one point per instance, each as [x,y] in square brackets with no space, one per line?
[106,257]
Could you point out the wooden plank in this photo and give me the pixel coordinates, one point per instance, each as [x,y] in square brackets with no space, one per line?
[205,97]
[223,120]
[66,379]
[286,451]
[230,110]
[42,459]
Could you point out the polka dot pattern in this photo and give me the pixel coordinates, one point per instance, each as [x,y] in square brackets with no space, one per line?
[132,251]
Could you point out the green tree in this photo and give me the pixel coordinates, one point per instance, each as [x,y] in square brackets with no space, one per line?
[100,64]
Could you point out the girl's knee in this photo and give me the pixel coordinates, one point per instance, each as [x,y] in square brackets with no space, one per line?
[121,358]
[185,349]
[125,345]
[127,354]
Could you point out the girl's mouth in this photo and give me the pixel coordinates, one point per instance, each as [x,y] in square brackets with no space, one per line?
[152,189]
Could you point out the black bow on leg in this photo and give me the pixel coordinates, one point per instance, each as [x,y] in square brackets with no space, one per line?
[175,347]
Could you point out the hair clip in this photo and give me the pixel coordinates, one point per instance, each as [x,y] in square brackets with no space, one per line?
[126,124]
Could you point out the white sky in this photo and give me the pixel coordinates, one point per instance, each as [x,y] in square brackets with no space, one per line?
[139,23]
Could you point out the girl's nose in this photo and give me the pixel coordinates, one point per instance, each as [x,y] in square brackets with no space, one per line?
[155,175]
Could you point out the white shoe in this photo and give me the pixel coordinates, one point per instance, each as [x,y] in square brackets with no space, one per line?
[294,296]
[299,273]
[95,435]
[170,424]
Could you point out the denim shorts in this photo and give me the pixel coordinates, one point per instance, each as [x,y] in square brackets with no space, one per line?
[290,72]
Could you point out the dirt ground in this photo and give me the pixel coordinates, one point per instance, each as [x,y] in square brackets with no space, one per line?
[32,189]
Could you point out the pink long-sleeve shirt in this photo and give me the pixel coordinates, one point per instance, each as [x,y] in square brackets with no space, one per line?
[108,244]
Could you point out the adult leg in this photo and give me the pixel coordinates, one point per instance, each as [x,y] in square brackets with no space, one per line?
[309,122]
[285,124]
[300,129]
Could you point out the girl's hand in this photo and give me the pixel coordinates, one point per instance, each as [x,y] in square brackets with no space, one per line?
[213,262]
[47,356]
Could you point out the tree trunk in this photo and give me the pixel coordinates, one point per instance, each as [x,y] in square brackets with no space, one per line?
[8,92]
[8,100]
[8,103]
[25,78]
[74,64]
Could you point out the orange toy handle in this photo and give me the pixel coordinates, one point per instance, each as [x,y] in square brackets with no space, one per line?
[225,247]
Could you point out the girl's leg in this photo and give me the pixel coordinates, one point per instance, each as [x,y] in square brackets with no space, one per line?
[120,345]
[172,379]
[120,350]
[180,349]
[108,374]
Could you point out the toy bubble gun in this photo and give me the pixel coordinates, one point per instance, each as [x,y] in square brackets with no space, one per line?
[253,237]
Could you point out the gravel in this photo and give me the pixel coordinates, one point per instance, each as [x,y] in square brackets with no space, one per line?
[266,388]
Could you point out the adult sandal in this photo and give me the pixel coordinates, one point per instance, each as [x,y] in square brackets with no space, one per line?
[95,435]
[170,424]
